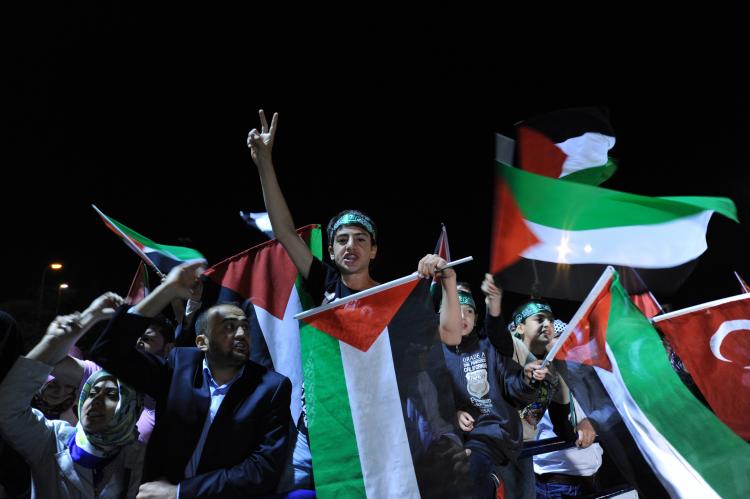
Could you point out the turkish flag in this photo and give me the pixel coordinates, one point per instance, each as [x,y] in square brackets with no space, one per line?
[714,345]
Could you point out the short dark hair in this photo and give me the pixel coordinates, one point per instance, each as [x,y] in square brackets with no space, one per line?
[164,326]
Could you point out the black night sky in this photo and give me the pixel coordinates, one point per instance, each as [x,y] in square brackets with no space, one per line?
[145,114]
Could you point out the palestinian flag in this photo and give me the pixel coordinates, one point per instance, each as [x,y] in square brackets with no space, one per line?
[613,435]
[585,341]
[380,419]
[266,283]
[713,342]
[553,238]
[569,143]
[160,257]
[140,287]
[443,250]
[689,449]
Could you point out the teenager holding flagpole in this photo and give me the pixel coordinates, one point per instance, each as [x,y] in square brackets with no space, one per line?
[352,246]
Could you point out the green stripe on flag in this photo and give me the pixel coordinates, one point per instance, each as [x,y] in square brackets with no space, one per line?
[710,447]
[582,207]
[181,252]
[338,471]
[333,443]
[178,252]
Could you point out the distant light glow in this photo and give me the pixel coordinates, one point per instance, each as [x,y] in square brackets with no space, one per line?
[588,248]
[63,285]
[563,249]
[55,266]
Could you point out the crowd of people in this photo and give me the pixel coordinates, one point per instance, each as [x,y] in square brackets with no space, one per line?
[137,416]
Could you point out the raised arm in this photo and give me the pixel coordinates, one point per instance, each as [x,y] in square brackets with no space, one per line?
[182,283]
[450,310]
[498,335]
[66,330]
[115,349]
[261,145]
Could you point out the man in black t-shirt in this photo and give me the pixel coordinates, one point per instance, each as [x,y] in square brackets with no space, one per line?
[352,246]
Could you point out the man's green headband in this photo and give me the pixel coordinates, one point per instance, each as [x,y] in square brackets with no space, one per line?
[353,219]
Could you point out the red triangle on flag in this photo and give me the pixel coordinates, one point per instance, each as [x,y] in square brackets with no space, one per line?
[586,344]
[538,154]
[360,322]
[442,250]
[139,288]
[264,274]
[510,235]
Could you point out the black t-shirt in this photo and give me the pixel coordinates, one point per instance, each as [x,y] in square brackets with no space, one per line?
[324,283]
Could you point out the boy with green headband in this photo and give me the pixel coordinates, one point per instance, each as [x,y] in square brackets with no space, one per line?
[533,325]
[352,241]
[489,388]
[352,247]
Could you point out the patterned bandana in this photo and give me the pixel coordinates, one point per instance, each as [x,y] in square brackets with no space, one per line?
[531,308]
[121,429]
[465,298]
[559,327]
[351,218]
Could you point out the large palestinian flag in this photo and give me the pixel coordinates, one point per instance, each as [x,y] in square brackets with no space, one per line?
[266,283]
[380,418]
[689,449]
[554,238]
[161,257]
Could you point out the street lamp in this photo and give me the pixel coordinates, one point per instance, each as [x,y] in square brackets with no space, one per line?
[60,289]
[54,266]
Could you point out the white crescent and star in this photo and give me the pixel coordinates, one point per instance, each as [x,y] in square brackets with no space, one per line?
[723,331]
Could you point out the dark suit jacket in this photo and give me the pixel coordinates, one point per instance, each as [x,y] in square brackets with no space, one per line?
[246,446]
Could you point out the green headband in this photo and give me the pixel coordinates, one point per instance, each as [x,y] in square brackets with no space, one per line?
[465,298]
[350,218]
[531,308]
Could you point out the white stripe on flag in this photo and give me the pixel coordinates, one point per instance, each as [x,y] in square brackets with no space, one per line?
[387,465]
[677,476]
[282,338]
[585,151]
[644,246]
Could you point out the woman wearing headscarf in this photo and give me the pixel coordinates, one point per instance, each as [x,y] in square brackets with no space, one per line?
[100,457]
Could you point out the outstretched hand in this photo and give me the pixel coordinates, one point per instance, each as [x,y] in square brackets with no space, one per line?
[586,433]
[534,371]
[261,143]
[490,289]
[103,307]
[428,267]
[64,326]
[184,279]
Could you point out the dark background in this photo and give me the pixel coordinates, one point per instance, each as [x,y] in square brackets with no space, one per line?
[145,113]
